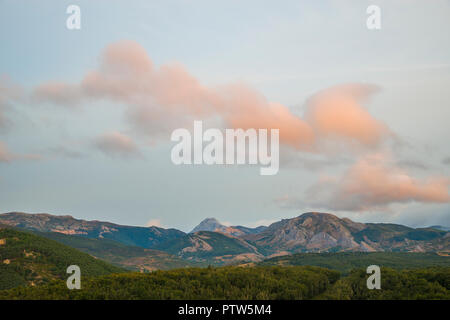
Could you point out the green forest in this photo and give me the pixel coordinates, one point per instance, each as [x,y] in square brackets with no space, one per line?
[27,259]
[344,262]
[193,283]
[120,254]
[247,283]
[416,284]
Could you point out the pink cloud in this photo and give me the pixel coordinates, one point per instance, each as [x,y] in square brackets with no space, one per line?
[338,112]
[154,223]
[373,183]
[162,99]
[245,108]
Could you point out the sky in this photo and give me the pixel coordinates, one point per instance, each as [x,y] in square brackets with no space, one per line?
[86,115]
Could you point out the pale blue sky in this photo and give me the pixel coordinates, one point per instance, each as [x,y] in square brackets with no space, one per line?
[287,51]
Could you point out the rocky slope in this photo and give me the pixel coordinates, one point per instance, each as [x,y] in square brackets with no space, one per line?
[323,232]
[212,248]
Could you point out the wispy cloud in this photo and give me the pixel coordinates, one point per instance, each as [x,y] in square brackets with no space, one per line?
[117,144]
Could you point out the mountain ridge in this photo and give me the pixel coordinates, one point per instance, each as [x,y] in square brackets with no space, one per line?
[219,244]
[130,235]
[323,232]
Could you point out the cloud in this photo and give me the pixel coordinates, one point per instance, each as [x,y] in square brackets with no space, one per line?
[159,100]
[446,161]
[337,112]
[154,223]
[7,156]
[371,183]
[245,108]
[116,144]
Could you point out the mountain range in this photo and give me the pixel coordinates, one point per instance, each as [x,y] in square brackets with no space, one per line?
[145,237]
[214,243]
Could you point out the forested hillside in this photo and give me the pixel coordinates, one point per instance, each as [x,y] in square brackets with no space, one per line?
[145,237]
[417,284]
[193,283]
[249,283]
[346,261]
[129,257]
[27,259]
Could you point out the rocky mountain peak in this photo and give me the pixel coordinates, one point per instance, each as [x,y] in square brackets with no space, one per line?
[208,224]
